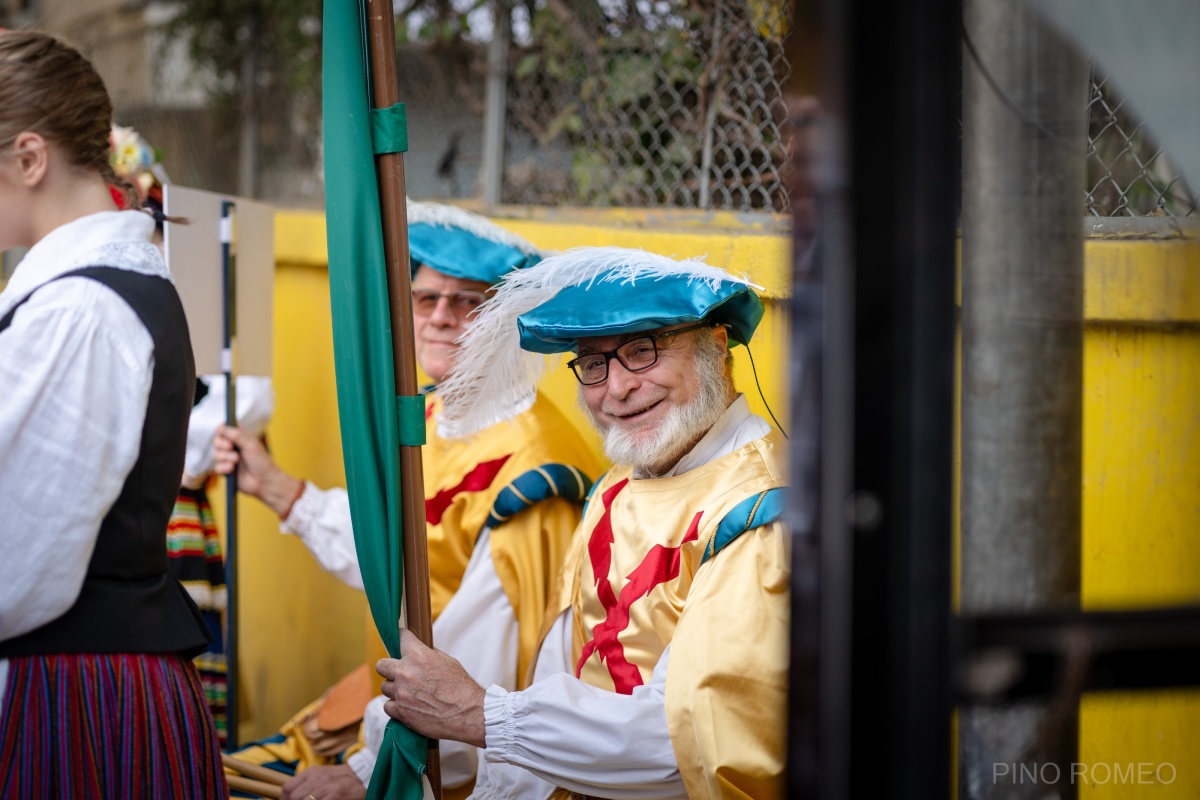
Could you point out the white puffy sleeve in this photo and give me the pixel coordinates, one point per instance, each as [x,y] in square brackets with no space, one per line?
[562,732]
[321,519]
[255,404]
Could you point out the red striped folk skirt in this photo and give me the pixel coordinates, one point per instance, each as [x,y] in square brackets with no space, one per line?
[107,726]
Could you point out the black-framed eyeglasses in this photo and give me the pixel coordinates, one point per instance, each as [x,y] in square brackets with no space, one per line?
[635,355]
[464,302]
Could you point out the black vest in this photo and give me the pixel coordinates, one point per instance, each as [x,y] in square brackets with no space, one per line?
[130,602]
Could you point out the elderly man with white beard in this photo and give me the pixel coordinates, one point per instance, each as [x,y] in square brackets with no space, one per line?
[661,671]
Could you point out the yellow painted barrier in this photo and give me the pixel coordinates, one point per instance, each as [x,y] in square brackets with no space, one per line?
[300,626]
[1141,497]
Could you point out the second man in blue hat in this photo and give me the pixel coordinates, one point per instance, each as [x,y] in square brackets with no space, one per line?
[499,510]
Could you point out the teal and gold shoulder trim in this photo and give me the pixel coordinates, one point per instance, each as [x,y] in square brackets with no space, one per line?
[591,491]
[753,512]
[536,485]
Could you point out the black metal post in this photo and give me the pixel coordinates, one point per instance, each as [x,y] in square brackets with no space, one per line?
[882,298]
[229,333]
[904,91]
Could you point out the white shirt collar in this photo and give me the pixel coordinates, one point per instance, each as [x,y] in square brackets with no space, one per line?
[88,241]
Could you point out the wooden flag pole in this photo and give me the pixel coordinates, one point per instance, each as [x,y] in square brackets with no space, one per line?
[381,38]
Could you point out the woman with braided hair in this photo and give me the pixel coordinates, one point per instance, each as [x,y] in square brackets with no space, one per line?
[98,696]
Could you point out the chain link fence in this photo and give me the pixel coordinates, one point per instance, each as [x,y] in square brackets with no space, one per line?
[679,104]
[1128,174]
[671,104]
[654,103]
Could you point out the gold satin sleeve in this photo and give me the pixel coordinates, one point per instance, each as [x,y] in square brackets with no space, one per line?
[527,554]
[726,689]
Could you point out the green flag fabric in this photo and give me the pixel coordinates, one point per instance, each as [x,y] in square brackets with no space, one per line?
[363,358]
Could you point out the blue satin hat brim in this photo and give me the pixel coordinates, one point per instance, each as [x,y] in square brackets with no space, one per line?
[459,254]
[610,308]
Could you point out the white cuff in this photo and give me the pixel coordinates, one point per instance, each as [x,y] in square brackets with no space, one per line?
[499,722]
[363,764]
[305,511]
[194,482]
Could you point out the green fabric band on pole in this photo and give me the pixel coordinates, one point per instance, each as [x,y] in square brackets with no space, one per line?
[410,412]
[389,129]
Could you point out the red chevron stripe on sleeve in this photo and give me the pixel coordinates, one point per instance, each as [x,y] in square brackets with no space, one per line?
[478,479]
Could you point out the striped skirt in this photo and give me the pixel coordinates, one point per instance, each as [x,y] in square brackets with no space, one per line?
[107,726]
[194,556]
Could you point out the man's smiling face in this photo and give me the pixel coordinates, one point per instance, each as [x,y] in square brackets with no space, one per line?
[652,414]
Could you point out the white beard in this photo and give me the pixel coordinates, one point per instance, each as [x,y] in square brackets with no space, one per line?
[683,426]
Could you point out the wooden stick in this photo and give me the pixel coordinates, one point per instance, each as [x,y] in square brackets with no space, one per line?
[255,787]
[381,39]
[254,771]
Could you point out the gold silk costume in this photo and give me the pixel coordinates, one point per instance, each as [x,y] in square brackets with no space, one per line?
[526,479]
[697,561]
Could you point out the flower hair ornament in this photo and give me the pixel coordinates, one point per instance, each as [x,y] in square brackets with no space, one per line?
[133,159]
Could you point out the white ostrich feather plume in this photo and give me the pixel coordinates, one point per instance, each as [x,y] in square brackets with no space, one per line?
[493,378]
[453,217]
